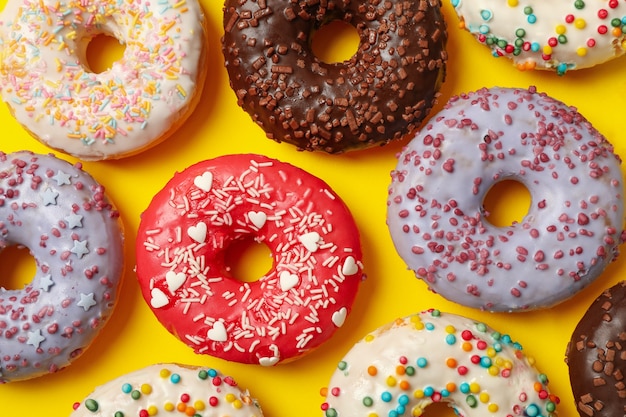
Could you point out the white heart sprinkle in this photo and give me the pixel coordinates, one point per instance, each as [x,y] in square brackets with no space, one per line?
[309,240]
[288,280]
[349,266]
[265,361]
[218,332]
[258,218]
[174,280]
[339,316]
[159,299]
[204,181]
[197,232]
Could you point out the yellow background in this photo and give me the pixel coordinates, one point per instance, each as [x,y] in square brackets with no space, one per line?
[133,338]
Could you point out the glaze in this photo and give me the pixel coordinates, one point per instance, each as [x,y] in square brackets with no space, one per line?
[382,92]
[596,356]
[63,216]
[171,388]
[405,366]
[552,35]
[571,232]
[47,84]
[298,304]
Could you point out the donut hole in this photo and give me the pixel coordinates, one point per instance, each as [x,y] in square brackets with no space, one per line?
[102,51]
[507,203]
[335,42]
[247,260]
[17,267]
[439,409]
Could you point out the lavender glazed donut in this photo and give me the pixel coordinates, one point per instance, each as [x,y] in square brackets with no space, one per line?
[569,235]
[62,215]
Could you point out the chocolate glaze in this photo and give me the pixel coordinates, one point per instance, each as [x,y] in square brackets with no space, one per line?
[596,356]
[380,94]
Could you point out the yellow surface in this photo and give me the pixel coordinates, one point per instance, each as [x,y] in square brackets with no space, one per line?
[133,338]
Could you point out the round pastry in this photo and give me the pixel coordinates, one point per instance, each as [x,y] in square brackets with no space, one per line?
[381,93]
[299,303]
[185,390]
[430,357]
[574,224]
[46,81]
[62,215]
[596,356]
[556,35]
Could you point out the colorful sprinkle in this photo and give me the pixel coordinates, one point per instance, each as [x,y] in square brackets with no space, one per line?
[456,378]
[575,25]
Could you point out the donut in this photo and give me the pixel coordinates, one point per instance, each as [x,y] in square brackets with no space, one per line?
[190,224]
[403,367]
[145,96]
[170,387]
[596,356]
[63,216]
[558,36]
[573,227]
[381,93]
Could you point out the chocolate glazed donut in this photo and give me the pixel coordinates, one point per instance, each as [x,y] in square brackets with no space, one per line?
[596,356]
[380,94]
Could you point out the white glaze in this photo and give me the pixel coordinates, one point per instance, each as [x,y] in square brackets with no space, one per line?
[45,80]
[163,388]
[62,215]
[568,237]
[555,35]
[405,366]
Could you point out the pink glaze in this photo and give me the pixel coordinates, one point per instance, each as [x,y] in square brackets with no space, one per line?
[63,216]
[565,241]
[308,293]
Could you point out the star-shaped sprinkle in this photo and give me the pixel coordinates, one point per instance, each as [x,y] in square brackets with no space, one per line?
[74,220]
[86,301]
[46,282]
[35,338]
[80,248]
[50,197]
[62,178]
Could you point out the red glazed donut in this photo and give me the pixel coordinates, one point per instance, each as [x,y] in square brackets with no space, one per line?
[381,93]
[187,229]
[63,216]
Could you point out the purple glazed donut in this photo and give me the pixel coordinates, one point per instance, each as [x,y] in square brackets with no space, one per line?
[61,214]
[571,232]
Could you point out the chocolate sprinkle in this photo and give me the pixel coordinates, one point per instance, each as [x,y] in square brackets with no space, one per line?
[596,356]
[380,94]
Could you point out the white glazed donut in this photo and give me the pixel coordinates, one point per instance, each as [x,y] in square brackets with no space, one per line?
[62,215]
[558,35]
[403,367]
[570,233]
[140,100]
[170,389]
